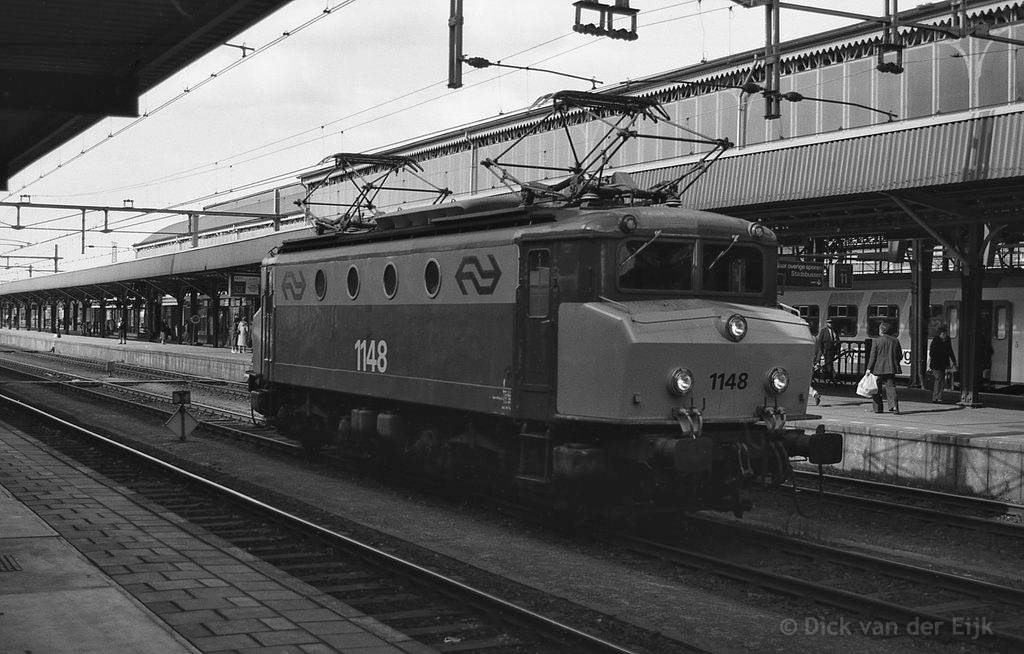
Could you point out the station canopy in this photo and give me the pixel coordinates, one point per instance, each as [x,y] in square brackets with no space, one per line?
[67,64]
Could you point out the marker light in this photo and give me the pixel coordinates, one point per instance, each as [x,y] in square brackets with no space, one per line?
[680,381]
[777,380]
[736,327]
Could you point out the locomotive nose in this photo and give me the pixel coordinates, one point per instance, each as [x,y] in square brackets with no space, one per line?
[717,362]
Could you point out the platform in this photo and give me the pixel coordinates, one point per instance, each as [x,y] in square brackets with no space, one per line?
[944,446]
[197,360]
[90,567]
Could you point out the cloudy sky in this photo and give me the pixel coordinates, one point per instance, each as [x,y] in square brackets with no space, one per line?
[369,74]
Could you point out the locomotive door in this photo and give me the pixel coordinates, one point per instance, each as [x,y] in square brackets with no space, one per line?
[537,317]
[266,352]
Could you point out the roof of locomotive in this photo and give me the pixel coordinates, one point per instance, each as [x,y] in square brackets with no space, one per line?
[505,220]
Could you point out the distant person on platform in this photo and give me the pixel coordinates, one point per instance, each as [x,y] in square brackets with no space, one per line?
[940,360]
[243,335]
[122,332]
[826,349]
[165,331]
[884,362]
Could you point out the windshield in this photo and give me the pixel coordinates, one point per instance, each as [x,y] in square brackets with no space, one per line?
[656,265]
[736,269]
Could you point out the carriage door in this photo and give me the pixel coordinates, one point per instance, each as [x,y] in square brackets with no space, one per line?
[1002,340]
[995,325]
[537,306]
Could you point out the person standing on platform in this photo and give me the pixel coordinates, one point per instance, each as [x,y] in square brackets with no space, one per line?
[826,347]
[884,362]
[243,334]
[122,332]
[165,330]
[940,359]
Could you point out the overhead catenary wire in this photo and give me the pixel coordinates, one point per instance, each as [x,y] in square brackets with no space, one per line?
[371,120]
[320,129]
[187,90]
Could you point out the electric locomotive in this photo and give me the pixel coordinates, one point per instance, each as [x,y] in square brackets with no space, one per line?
[586,342]
[610,353]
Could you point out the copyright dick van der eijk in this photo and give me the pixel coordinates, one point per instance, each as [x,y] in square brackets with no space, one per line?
[969,627]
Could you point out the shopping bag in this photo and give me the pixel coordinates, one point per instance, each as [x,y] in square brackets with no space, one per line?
[868,385]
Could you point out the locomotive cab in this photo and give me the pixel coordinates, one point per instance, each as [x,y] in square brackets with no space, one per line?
[675,358]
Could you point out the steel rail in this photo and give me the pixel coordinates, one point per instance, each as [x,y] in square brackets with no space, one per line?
[79,382]
[829,595]
[82,386]
[981,503]
[491,601]
[976,523]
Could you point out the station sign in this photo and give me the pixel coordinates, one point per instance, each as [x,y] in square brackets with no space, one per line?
[242,285]
[801,273]
[840,275]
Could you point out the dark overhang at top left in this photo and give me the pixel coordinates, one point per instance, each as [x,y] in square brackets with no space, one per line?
[67,64]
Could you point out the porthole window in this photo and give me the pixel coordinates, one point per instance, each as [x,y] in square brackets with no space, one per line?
[320,284]
[353,282]
[390,280]
[432,278]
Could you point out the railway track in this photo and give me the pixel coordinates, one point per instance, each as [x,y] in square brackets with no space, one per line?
[886,592]
[229,422]
[435,609]
[907,582]
[959,511]
[233,388]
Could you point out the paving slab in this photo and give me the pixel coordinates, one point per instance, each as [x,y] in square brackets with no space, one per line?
[88,566]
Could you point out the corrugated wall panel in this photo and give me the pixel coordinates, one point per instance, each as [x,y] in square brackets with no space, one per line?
[981,148]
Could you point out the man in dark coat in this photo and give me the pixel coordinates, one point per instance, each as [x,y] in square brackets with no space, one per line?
[884,362]
[940,359]
[826,345]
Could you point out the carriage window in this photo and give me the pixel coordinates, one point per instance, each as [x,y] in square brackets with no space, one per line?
[844,318]
[655,265]
[953,320]
[812,314]
[732,269]
[1001,320]
[540,282]
[879,313]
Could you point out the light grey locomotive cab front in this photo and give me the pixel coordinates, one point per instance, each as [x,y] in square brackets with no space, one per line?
[645,342]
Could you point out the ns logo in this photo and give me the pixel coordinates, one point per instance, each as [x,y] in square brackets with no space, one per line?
[293,287]
[483,276]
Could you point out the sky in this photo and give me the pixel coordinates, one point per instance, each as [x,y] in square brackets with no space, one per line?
[367,75]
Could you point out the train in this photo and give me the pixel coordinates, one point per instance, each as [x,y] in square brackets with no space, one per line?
[602,354]
[856,313]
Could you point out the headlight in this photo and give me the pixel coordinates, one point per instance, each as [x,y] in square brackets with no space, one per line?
[680,381]
[736,327]
[778,380]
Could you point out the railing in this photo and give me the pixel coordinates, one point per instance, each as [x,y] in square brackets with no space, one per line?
[850,363]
